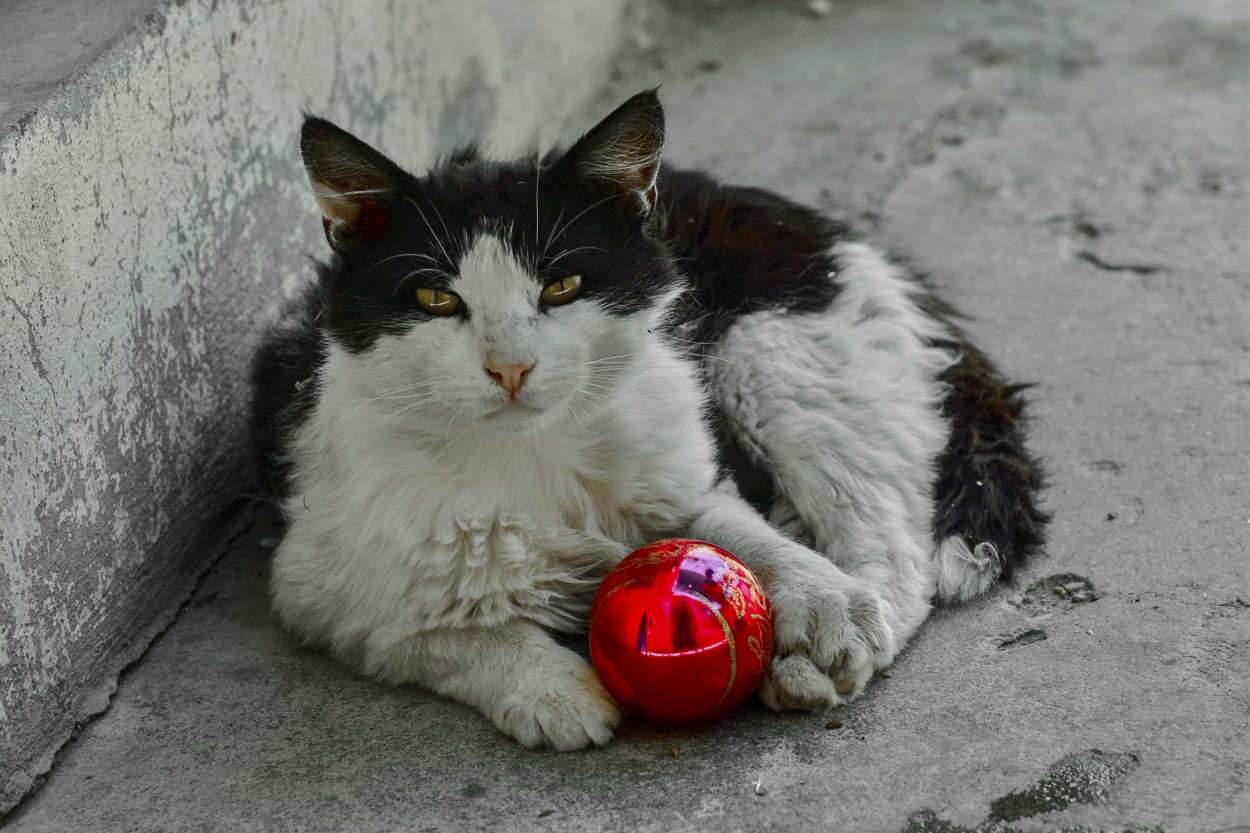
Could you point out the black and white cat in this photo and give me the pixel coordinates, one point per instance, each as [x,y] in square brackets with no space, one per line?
[510,375]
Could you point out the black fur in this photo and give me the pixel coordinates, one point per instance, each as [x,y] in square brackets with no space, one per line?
[743,250]
[284,385]
[735,251]
[988,481]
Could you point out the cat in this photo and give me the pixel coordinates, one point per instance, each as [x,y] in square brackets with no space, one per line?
[510,375]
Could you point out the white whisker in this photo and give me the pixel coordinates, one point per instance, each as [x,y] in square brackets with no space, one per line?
[551,236]
[433,233]
[577,250]
[556,234]
[579,214]
[396,257]
[431,381]
[538,173]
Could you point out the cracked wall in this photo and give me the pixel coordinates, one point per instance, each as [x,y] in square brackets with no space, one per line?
[151,218]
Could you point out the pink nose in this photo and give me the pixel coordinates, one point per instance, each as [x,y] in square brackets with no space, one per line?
[510,377]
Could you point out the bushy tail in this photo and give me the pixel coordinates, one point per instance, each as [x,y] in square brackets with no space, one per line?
[987,521]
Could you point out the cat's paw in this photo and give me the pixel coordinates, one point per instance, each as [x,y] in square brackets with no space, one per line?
[870,642]
[563,708]
[794,682]
[832,632]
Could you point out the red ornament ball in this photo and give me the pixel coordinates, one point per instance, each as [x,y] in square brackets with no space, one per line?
[680,632]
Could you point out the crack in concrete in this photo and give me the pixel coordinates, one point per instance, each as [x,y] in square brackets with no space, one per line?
[1024,637]
[169,94]
[36,355]
[1136,268]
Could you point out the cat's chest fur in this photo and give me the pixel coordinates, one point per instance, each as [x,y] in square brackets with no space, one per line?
[392,525]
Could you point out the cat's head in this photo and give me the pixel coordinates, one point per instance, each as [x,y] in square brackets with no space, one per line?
[501,295]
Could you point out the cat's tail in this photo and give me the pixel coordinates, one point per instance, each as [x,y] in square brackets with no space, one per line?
[986,520]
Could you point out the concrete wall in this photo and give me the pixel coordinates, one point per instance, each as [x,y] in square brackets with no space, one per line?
[152,215]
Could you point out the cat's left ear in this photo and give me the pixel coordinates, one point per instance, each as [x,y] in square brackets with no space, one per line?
[620,156]
[355,186]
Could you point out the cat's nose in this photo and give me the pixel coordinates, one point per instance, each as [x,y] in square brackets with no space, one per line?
[510,377]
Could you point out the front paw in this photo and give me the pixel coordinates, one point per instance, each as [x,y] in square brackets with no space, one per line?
[832,632]
[562,706]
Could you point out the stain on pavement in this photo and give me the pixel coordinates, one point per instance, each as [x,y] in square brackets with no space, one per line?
[1084,777]
[1054,594]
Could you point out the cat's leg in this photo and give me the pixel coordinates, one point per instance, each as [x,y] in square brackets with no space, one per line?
[458,615]
[832,629]
[532,689]
[841,409]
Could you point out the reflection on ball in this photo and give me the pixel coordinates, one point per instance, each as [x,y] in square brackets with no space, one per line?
[680,632]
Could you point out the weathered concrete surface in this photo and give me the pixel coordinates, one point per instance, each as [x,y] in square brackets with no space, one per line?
[45,44]
[151,215]
[1076,175]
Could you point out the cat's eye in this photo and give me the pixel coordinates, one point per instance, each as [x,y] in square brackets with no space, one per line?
[562,291]
[438,301]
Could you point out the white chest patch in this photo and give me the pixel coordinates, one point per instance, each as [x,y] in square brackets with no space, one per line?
[426,497]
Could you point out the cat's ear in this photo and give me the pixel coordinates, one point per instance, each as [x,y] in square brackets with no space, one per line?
[355,186]
[620,156]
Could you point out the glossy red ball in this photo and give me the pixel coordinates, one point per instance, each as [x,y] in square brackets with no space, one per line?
[680,632]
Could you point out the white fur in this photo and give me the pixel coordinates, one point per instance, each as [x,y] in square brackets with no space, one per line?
[963,572]
[438,527]
[435,520]
[842,407]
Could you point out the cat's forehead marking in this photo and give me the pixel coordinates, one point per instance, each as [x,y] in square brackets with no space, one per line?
[491,271]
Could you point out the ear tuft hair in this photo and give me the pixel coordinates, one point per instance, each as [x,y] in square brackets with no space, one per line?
[353,183]
[622,153]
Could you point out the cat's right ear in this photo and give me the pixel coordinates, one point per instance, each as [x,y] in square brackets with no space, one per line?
[355,186]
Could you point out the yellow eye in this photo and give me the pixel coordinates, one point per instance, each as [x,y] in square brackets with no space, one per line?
[562,291]
[438,301]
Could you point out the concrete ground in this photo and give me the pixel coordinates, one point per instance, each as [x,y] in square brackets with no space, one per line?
[1076,175]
